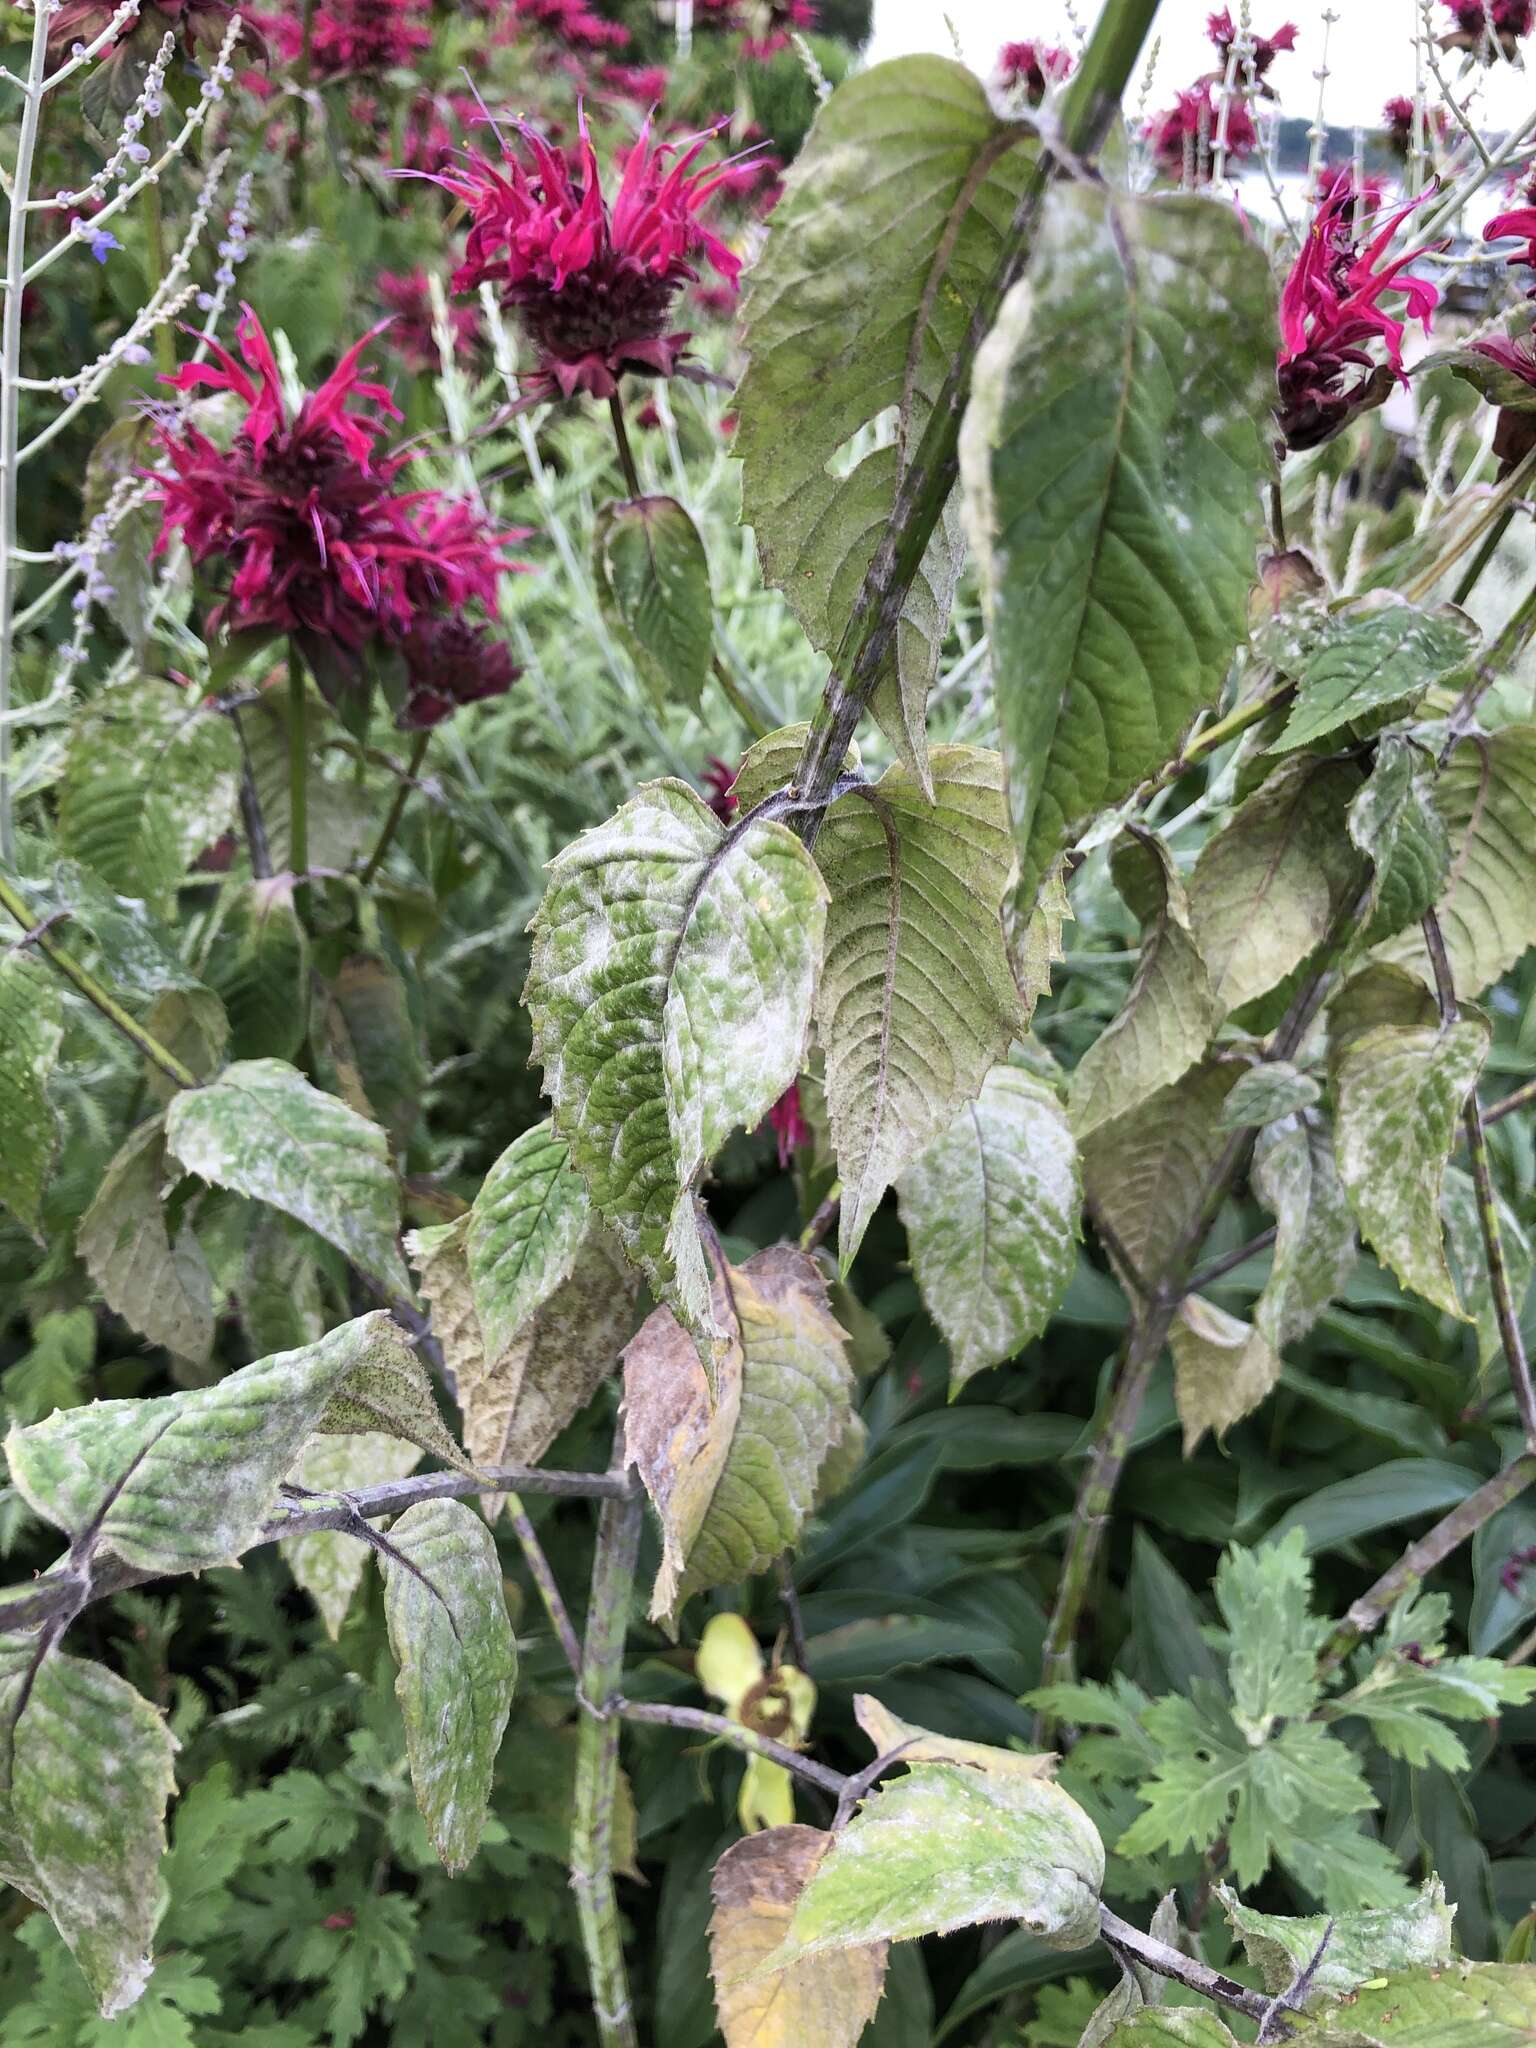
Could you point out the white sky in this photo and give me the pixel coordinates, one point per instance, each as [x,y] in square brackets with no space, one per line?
[1370,49]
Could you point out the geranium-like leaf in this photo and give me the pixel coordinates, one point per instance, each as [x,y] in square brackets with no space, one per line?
[828,2000]
[894,217]
[733,1480]
[946,1847]
[85,1773]
[162,1289]
[670,991]
[1172,1010]
[31,1032]
[329,1563]
[1396,823]
[992,1211]
[917,1001]
[1113,453]
[262,1130]
[184,1481]
[1223,1368]
[526,1224]
[652,579]
[448,1628]
[1379,655]
[1359,1945]
[1296,1177]
[1146,1174]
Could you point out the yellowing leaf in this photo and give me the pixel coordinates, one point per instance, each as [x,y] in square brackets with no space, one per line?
[891,1735]
[1222,1368]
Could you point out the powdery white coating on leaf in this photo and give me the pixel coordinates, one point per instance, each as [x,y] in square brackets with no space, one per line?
[1223,1368]
[992,1210]
[1113,454]
[1381,653]
[328,1563]
[1449,2005]
[917,1001]
[948,1847]
[1400,1091]
[832,318]
[388,1389]
[1396,823]
[448,1628]
[262,1130]
[670,991]
[825,2000]
[31,1032]
[1146,1173]
[162,1291]
[1296,1177]
[1172,2026]
[1360,1946]
[1267,1092]
[524,1229]
[652,580]
[183,1482]
[888,1733]
[85,1773]
[1034,940]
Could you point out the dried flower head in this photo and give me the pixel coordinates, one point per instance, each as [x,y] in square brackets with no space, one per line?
[451,661]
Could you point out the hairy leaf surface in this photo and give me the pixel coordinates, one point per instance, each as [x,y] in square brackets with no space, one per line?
[1382,654]
[31,1033]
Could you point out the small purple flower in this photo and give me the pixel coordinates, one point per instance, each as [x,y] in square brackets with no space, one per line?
[100,241]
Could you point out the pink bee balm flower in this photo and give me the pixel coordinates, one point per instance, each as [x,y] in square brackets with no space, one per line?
[766,25]
[787,1121]
[1519,223]
[353,36]
[1184,137]
[593,283]
[1032,68]
[573,22]
[1330,310]
[717,778]
[450,661]
[411,335]
[1265,48]
[1505,17]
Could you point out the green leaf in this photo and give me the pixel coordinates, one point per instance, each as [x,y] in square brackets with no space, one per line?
[670,993]
[1402,1490]
[328,1563]
[1395,822]
[1267,1093]
[1463,1228]
[375,1042]
[769,764]
[894,217]
[992,1213]
[1265,1597]
[1359,1945]
[150,780]
[55,1373]
[917,1001]
[1401,1696]
[1296,1177]
[652,579]
[1223,1368]
[1268,888]
[259,965]
[1172,1011]
[388,1389]
[341,815]
[160,1289]
[1453,2005]
[183,1482]
[448,1628]
[1147,1172]
[262,1130]
[733,1479]
[31,1032]
[1400,1091]
[1379,654]
[1172,2026]
[85,1773]
[947,1847]
[1113,454]
[525,1228]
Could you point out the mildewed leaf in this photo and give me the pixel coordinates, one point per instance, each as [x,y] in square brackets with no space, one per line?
[259,965]
[1146,1173]
[388,1389]
[1396,823]
[1172,2026]
[262,1130]
[828,2000]
[1469,1256]
[894,215]
[1400,1091]
[670,992]
[652,579]
[733,1481]
[183,1482]
[329,1563]
[769,764]
[1451,2005]
[1359,1945]
[1380,653]
[526,1224]
[85,1773]
[448,1628]
[1268,1092]
[1113,453]
[1172,1011]
[1296,1177]
[948,1847]
[162,1289]
[890,1735]
[1222,1368]
[31,1032]
[992,1212]
[917,1001]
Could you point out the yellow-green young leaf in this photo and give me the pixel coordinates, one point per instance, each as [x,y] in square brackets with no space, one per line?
[1359,1946]
[890,1734]
[1486,794]
[1395,821]
[1380,654]
[1400,1091]
[150,780]
[894,216]
[652,579]
[1449,2005]
[733,1479]
[160,1289]
[1113,455]
[85,1773]
[1222,1368]
[259,965]
[1147,1173]
[183,1482]
[328,1563]
[948,1847]
[525,1227]
[670,992]
[1172,1011]
[263,1131]
[1296,1177]
[31,1032]
[917,1001]
[992,1213]
[448,1628]
[1267,889]
[826,2000]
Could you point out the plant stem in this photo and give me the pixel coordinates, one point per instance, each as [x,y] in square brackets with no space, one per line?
[397,808]
[662,1716]
[256,844]
[154,237]
[597,1762]
[1206,741]
[19,193]
[1157,1956]
[1507,1105]
[37,933]
[298,776]
[544,1579]
[736,697]
[1230,1261]
[1483,557]
[621,439]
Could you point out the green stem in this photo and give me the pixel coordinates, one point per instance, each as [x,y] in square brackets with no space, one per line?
[397,809]
[1483,557]
[38,934]
[736,697]
[298,775]
[621,439]
[1507,1105]
[1206,741]
[597,1763]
